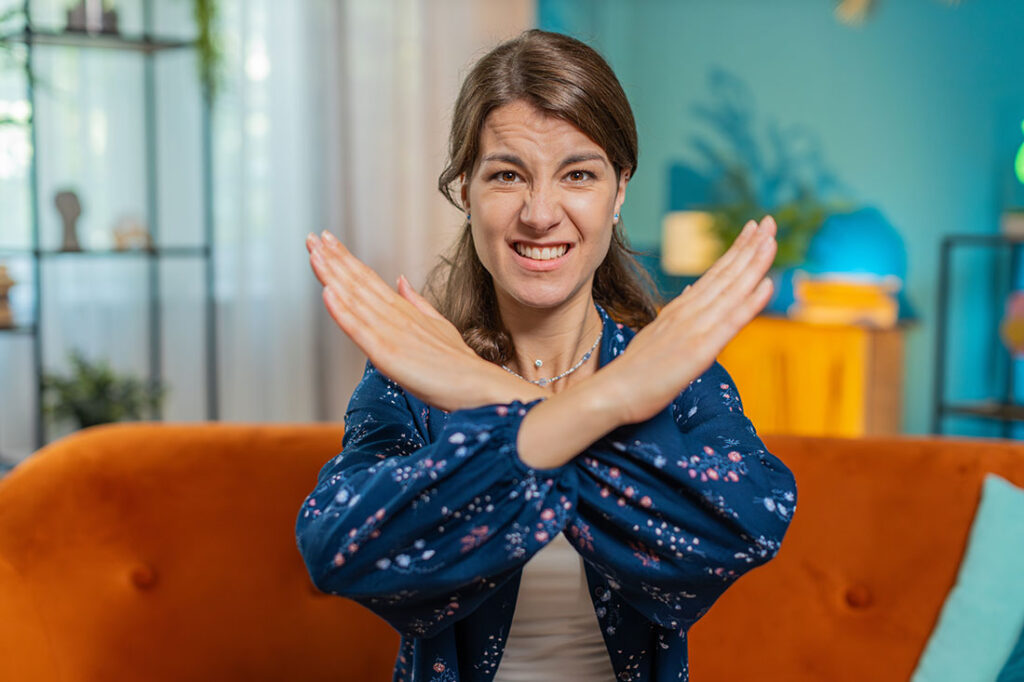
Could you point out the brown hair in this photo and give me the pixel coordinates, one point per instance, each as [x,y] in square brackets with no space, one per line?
[567,79]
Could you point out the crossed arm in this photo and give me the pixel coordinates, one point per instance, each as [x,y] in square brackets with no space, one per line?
[670,509]
[409,341]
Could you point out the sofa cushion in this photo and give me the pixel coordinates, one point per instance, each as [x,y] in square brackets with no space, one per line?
[981,617]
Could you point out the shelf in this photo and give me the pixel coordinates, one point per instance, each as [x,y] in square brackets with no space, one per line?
[166,251]
[26,329]
[983,239]
[109,41]
[36,251]
[987,410]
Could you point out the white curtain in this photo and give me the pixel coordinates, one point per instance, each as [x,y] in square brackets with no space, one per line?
[333,115]
[391,74]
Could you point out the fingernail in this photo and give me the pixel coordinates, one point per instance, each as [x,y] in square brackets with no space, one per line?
[748,227]
[329,238]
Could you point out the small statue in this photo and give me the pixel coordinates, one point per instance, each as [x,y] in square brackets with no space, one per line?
[70,209]
[6,282]
[130,233]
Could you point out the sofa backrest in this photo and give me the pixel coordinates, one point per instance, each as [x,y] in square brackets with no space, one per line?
[874,548]
[165,552]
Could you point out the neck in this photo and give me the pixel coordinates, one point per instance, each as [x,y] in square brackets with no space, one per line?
[558,336]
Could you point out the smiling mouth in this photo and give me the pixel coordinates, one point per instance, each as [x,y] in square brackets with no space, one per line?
[541,253]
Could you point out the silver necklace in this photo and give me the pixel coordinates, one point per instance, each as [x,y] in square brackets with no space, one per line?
[539,363]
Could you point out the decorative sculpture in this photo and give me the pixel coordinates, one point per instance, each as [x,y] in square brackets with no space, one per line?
[70,209]
[130,233]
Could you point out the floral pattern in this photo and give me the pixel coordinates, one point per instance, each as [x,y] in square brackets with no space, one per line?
[428,517]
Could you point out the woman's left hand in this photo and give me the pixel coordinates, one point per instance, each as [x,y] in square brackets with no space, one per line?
[403,335]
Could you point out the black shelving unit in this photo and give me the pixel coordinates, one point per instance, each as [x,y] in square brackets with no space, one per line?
[1004,409]
[149,47]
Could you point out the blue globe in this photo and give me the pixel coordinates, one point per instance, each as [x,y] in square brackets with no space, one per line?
[861,243]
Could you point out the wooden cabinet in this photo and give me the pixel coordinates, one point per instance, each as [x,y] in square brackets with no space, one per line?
[810,379]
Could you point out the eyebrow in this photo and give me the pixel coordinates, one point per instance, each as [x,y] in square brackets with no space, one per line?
[568,161]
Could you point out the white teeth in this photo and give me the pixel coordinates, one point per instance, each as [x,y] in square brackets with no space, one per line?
[535,253]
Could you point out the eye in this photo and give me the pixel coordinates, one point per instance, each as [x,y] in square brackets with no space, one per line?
[579,176]
[506,176]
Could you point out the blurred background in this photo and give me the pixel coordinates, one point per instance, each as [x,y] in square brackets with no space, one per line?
[161,162]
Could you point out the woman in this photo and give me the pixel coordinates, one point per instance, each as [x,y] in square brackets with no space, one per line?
[541,404]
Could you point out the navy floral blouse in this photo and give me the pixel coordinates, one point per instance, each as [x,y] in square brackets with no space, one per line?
[427,518]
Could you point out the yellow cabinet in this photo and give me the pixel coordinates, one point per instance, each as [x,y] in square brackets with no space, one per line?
[814,379]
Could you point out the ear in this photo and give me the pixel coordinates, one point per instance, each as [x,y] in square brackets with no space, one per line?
[464,191]
[620,194]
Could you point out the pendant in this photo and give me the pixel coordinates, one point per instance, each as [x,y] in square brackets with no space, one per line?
[538,363]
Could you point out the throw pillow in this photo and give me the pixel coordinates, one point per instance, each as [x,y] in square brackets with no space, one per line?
[981,617]
[1013,671]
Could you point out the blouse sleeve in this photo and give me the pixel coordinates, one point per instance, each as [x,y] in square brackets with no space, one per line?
[422,532]
[672,511]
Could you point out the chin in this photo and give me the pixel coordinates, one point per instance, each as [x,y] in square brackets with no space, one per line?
[543,298]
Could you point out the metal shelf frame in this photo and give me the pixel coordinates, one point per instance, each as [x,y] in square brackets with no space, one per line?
[1003,410]
[149,47]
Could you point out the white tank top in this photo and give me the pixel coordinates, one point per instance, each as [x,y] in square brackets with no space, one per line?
[555,634]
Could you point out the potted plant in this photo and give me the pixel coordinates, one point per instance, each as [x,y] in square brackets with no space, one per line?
[94,394]
[750,173]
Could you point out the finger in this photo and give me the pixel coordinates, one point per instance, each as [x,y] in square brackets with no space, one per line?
[367,299]
[320,269]
[723,262]
[740,251]
[420,303]
[712,285]
[351,278]
[741,315]
[361,334]
[738,294]
[355,272]
[744,237]
[311,242]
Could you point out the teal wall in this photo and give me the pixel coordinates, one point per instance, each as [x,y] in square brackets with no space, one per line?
[917,112]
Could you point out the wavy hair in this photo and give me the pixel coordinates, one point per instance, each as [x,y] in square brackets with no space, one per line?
[569,80]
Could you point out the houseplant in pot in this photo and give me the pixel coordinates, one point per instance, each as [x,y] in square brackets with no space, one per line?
[94,394]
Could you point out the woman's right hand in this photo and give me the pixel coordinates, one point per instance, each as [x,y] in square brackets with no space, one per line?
[692,329]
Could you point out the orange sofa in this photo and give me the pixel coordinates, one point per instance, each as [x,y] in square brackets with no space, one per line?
[165,552]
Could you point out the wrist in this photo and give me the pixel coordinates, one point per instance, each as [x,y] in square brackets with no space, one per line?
[600,398]
[569,422]
[496,386]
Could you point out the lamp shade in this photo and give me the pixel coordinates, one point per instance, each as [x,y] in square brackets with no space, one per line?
[689,245]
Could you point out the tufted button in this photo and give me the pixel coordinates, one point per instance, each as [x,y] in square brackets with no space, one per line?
[144,576]
[859,596]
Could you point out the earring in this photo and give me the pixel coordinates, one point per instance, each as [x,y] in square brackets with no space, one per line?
[615,219]
[468,216]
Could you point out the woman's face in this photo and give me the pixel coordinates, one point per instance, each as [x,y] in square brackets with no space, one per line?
[542,197]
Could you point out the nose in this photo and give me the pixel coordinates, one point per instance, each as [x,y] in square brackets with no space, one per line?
[542,208]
